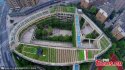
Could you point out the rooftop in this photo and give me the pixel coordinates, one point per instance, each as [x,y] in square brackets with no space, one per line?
[107,7]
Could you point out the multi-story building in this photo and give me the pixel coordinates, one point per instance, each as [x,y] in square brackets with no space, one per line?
[16,4]
[104,12]
[87,3]
[119,27]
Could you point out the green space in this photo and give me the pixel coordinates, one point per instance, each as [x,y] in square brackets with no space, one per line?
[70,9]
[85,66]
[90,54]
[74,35]
[45,28]
[92,35]
[20,62]
[104,42]
[110,68]
[82,21]
[81,54]
[31,51]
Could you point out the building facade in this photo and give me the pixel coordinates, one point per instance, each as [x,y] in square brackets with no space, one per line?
[119,27]
[16,4]
[104,12]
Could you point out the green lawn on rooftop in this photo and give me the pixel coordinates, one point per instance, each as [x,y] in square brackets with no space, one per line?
[104,43]
[110,68]
[81,55]
[32,50]
[90,54]
[64,8]
[48,54]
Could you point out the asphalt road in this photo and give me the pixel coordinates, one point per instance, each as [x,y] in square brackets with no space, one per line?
[6,55]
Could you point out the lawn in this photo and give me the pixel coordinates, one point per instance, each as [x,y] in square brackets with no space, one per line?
[81,54]
[48,54]
[90,54]
[104,43]
[63,9]
[110,68]
[32,50]
[74,35]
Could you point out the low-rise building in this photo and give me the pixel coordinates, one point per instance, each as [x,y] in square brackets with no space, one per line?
[104,12]
[65,13]
[119,27]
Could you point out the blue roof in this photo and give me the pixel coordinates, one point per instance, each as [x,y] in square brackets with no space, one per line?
[78,31]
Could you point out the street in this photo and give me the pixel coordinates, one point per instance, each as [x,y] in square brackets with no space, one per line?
[6,55]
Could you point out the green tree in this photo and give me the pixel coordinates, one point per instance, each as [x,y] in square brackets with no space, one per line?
[93,10]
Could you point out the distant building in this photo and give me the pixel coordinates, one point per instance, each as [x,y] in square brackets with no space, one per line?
[119,28]
[119,4]
[87,3]
[17,4]
[104,12]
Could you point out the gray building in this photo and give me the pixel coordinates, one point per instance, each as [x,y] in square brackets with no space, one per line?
[16,4]
[119,4]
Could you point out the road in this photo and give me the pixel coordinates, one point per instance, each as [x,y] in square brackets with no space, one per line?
[6,55]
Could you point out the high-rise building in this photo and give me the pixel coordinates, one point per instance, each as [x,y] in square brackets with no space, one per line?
[15,4]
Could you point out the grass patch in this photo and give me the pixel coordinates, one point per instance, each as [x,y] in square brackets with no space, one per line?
[48,54]
[90,55]
[81,54]
[110,68]
[74,35]
[104,43]
[63,9]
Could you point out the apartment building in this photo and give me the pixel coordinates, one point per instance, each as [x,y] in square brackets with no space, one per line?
[16,4]
[119,27]
[104,12]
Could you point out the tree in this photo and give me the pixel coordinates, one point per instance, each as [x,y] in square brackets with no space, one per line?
[93,10]
[121,44]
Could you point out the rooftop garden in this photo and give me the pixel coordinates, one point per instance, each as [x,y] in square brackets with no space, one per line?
[81,54]
[45,30]
[37,52]
[50,54]
[92,35]
[90,54]
[70,9]
[74,35]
